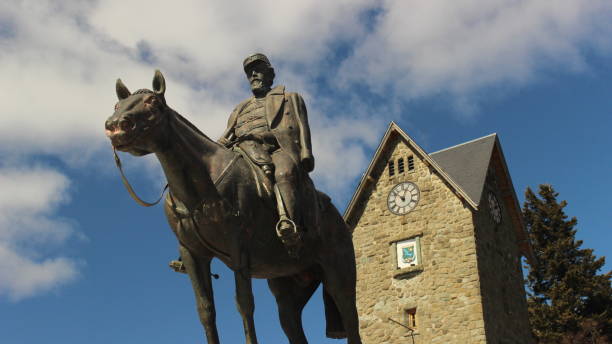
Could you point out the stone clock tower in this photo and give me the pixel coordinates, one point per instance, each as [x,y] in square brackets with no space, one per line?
[438,243]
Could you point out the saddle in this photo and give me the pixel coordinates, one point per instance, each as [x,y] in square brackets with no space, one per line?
[309,199]
[265,186]
[312,204]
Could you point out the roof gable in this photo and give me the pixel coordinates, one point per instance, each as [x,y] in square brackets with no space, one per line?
[464,167]
[378,155]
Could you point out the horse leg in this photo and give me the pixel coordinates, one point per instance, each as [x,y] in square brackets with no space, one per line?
[245,303]
[199,273]
[291,297]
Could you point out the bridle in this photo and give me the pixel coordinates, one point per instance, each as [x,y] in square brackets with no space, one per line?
[144,203]
[126,183]
[129,188]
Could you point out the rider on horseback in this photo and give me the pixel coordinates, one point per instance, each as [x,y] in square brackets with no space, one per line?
[271,128]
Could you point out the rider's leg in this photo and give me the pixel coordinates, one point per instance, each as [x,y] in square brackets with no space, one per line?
[285,175]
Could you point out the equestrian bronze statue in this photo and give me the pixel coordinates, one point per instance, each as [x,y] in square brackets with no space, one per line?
[223,203]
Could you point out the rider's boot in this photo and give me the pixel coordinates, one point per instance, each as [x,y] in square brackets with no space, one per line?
[268,170]
[286,228]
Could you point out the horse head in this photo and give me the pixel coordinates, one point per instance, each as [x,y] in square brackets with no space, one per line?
[136,125]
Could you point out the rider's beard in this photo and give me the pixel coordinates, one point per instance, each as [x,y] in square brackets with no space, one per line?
[259,88]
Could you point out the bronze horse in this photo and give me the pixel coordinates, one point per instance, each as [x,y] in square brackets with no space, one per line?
[215,209]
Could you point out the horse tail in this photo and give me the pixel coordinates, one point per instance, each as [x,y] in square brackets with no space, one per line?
[334,328]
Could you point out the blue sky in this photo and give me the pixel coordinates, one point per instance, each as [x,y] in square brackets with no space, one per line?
[81,262]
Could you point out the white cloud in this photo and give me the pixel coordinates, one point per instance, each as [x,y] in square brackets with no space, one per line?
[21,277]
[28,230]
[210,38]
[59,60]
[59,63]
[422,48]
[340,142]
[340,151]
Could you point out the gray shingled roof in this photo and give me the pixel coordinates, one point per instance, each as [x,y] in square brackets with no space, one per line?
[467,164]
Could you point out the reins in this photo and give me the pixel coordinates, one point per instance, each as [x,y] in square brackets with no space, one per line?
[143,203]
[129,188]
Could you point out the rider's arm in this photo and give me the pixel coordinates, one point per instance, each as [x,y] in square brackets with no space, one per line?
[306,157]
[228,135]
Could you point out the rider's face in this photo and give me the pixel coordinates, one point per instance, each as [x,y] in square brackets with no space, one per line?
[259,76]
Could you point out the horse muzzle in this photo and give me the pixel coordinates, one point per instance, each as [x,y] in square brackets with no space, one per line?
[120,132]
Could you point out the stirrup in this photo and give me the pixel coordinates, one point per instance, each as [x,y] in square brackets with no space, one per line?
[178,266]
[289,235]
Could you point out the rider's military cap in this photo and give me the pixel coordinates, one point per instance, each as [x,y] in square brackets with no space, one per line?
[256,57]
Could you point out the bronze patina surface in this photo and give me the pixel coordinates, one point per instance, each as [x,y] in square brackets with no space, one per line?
[237,201]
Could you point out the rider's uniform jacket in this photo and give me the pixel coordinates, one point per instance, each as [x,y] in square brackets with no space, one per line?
[251,121]
[284,116]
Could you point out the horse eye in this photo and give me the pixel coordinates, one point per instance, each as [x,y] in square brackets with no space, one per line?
[151,100]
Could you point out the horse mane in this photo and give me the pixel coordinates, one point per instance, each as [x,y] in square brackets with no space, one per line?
[176,114]
[185,121]
[143,90]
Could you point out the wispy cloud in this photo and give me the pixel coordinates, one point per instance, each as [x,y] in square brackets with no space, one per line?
[59,60]
[29,230]
[423,48]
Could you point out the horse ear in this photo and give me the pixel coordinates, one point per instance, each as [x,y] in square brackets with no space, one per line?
[159,83]
[122,91]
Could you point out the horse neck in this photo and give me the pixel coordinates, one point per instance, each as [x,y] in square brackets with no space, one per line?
[191,161]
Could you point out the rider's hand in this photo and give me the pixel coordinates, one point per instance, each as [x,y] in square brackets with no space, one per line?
[223,141]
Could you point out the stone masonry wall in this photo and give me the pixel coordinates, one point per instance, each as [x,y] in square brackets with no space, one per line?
[505,306]
[445,289]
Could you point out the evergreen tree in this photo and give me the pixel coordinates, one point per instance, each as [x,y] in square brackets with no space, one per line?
[568,300]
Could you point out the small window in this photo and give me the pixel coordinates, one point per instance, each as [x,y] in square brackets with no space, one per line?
[400,166]
[411,320]
[391,168]
[410,163]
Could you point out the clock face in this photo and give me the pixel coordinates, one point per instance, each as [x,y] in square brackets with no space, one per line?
[403,198]
[494,208]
